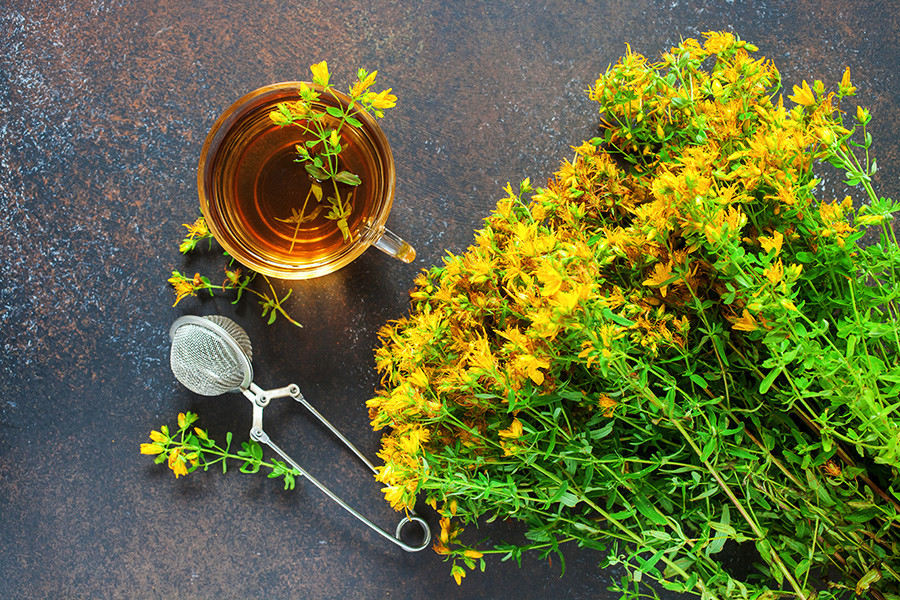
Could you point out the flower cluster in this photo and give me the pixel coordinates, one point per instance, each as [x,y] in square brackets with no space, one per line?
[672,345]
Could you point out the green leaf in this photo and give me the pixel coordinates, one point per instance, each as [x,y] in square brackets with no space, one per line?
[559,493]
[617,319]
[354,122]
[597,434]
[769,379]
[348,178]
[316,171]
[700,381]
[334,111]
[708,448]
[648,510]
[622,514]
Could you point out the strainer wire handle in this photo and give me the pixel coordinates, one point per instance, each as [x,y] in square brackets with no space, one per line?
[261,436]
[334,430]
[260,399]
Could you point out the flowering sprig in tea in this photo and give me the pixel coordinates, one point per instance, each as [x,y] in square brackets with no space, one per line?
[320,154]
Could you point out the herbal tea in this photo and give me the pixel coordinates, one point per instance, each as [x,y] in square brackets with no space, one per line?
[273,206]
[296,180]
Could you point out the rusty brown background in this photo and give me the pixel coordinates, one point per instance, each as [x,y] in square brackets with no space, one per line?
[104,105]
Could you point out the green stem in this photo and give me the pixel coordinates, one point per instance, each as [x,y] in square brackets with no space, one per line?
[726,489]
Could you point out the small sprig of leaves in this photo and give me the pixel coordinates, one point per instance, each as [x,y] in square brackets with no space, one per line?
[236,281]
[189,448]
[321,152]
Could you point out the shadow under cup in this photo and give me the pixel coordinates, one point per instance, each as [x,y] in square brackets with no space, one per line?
[259,202]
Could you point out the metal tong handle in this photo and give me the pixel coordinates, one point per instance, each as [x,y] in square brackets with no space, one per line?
[260,399]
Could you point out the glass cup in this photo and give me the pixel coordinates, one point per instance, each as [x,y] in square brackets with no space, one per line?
[269,214]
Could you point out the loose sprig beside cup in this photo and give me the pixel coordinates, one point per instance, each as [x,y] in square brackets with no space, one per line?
[235,279]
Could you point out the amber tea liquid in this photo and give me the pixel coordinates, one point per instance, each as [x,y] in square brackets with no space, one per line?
[257,184]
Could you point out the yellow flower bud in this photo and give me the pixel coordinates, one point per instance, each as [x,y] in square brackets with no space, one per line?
[862,115]
[320,73]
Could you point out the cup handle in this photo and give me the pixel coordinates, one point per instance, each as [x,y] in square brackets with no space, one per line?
[391,243]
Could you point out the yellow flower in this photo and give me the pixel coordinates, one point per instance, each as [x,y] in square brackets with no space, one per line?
[156,436]
[550,277]
[196,231]
[532,366]
[151,449]
[661,277]
[320,73]
[198,228]
[440,548]
[516,337]
[772,243]
[803,96]
[513,431]
[774,272]
[446,530]
[847,88]
[381,100]
[607,405]
[479,354]
[567,301]
[184,287]
[394,495]
[177,463]
[458,573]
[862,115]
[866,220]
[718,41]
[789,305]
[745,323]
[279,118]
[364,82]
[412,440]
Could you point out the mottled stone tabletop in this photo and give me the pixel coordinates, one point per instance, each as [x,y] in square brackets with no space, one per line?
[104,106]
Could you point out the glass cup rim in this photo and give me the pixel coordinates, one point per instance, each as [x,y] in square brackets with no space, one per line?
[217,135]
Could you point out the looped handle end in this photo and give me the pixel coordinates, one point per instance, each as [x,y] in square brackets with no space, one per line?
[425,529]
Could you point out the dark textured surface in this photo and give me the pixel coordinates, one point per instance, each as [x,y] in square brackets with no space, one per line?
[104,105]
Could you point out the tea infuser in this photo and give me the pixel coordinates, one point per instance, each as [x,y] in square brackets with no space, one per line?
[212,355]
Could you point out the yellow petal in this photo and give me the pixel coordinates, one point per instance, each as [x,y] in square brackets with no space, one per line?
[320,73]
[772,243]
[745,323]
[513,431]
[151,449]
[803,95]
